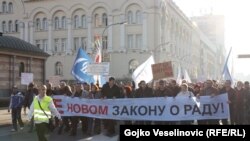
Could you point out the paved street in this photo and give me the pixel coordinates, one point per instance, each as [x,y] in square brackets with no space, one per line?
[6,135]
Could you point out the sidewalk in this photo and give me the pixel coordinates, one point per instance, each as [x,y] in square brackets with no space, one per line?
[5,117]
[6,135]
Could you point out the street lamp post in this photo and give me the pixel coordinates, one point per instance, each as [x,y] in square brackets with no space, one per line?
[157,47]
[120,23]
[188,65]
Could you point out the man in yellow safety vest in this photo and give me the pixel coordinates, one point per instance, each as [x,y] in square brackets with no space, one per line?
[42,108]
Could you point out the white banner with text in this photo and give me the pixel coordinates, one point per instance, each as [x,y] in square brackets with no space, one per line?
[154,109]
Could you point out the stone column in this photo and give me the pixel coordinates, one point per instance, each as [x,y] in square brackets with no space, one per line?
[26,31]
[110,34]
[122,34]
[50,37]
[68,49]
[21,28]
[89,40]
[31,26]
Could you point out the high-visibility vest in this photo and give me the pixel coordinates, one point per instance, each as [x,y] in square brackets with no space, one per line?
[38,113]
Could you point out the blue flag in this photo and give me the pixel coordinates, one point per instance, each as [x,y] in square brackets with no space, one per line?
[79,69]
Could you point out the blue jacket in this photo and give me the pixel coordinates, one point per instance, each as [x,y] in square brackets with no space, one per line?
[16,100]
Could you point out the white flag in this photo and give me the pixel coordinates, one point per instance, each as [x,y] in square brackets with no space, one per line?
[179,78]
[186,77]
[144,72]
[226,75]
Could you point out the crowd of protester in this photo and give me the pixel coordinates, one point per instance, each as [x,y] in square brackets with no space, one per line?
[238,95]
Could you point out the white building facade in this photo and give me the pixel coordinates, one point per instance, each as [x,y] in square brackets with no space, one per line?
[155,27]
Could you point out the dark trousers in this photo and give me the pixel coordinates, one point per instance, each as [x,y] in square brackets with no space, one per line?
[75,120]
[84,121]
[94,126]
[128,122]
[16,117]
[41,131]
[142,122]
[97,126]
[109,124]
[225,121]
[208,122]
[66,121]
[31,124]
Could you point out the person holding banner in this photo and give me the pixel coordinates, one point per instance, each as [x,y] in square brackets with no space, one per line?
[246,103]
[208,90]
[174,87]
[189,88]
[163,91]
[142,92]
[66,91]
[239,104]
[110,91]
[79,93]
[185,93]
[231,100]
[127,93]
[94,124]
[42,108]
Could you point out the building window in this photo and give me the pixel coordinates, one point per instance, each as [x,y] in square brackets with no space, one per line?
[4,7]
[45,45]
[38,24]
[16,26]
[10,8]
[63,22]
[56,45]
[63,44]
[84,43]
[76,21]
[104,42]
[130,17]
[10,26]
[76,43]
[21,68]
[138,17]
[59,68]
[45,24]
[84,21]
[104,19]
[138,38]
[130,41]
[56,23]
[133,64]
[97,20]
[38,44]
[4,26]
